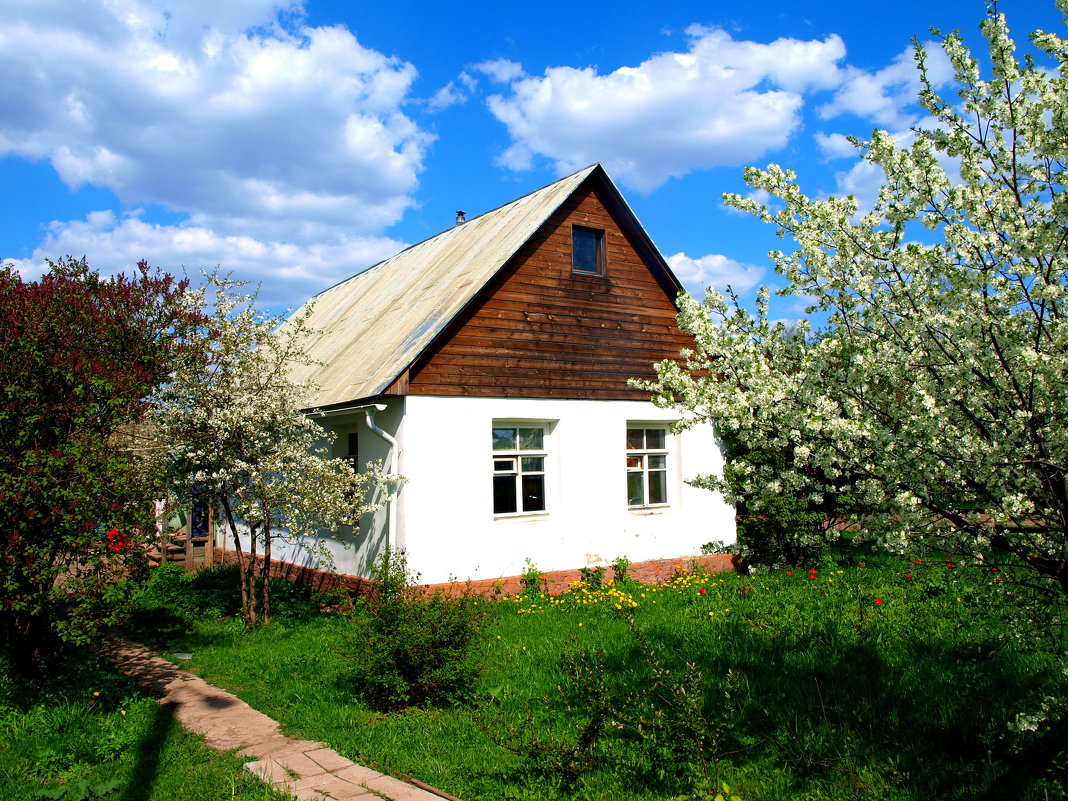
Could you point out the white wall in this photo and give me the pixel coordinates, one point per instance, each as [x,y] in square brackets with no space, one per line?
[445,514]
[446,508]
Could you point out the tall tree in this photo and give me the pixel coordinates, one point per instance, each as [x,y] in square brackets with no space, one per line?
[234,428]
[939,381]
[82,354]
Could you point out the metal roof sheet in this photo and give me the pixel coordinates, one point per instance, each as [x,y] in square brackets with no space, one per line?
[369,328]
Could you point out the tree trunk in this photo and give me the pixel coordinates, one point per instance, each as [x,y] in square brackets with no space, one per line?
[243,568]
[266,605]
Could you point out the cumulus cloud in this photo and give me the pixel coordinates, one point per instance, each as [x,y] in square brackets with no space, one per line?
[288,271]
[234,113]
[716,271]
[720,103]
[887,97]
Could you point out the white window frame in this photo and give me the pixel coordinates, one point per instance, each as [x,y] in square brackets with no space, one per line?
[520,462]
[646,462]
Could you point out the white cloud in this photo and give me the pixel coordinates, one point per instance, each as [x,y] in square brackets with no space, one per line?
[289,272]
[835,146]
[720,103]
[257,127]
[716,271]
[887,97]
[448,95]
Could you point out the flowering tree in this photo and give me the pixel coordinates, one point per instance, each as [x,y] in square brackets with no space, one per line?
[939,382]
[81,355]
[234,429]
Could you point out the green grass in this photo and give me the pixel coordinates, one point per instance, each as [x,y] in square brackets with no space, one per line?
[84,732]
[895,680]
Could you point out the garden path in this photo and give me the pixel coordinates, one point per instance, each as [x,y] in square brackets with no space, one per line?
[308,770]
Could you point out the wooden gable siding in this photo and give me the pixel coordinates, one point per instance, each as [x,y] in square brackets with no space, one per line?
[538,330]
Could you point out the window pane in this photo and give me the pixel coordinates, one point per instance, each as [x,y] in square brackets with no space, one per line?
[504,439]
[655,438]
[635,489]
[531,439]
[657,461]
[634,462]
[533,464]
[657,487]
[504,466]
[635,438]
[533,493]
[503,494]
[586,250]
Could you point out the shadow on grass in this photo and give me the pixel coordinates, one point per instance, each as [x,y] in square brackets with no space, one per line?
[142,779]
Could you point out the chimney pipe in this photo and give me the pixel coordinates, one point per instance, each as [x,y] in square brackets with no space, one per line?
[460,219]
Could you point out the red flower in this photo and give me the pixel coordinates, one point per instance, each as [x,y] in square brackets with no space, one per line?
[908,575]
[861,566]
[919,561]
[789,572]
[949,564]
[812,577]
[701,591]
[994,570]
[878,600]
[117,540]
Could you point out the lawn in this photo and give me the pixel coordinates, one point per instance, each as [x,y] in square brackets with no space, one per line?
[84,732]
[888,679]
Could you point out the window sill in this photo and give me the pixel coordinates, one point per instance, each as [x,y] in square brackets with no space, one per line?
[649,510]
[521,517]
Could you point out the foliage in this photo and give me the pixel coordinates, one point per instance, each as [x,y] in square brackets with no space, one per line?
[531,577]
[236,429]
[880,677]
[621,569]
[409,648]
[592,576]
[82,354]
[937,385]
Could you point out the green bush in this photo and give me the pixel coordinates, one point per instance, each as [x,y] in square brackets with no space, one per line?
[410,649]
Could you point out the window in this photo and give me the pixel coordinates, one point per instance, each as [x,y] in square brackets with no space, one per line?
[352,450]
[518,469]
[646,466]
[587,251]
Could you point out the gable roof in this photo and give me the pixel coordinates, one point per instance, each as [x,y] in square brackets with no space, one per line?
[372,326]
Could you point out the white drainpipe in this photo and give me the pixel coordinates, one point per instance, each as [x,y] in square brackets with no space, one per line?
[394,451]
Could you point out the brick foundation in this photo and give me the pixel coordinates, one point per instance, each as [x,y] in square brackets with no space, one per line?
[655,571]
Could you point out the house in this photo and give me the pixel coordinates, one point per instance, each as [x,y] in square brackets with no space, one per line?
[489,366]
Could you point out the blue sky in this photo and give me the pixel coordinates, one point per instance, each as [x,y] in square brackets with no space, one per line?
[296,143]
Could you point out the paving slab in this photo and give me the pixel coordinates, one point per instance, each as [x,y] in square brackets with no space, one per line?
[309,770]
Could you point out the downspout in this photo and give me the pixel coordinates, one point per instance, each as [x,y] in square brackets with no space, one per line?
[394,450]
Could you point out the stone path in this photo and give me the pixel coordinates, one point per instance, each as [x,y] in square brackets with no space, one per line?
[308,770]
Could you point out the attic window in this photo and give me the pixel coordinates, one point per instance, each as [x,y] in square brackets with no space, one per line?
[587,251]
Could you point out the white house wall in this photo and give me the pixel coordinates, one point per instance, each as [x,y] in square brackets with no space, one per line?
[444,513]
[446,519]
